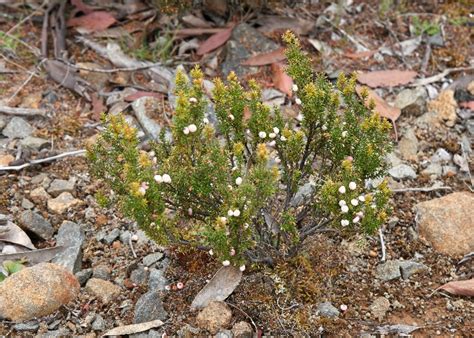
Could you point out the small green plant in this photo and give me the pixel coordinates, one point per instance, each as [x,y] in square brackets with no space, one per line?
[159,50]
[8,42]
[9,268]
[256,184]
[425,26]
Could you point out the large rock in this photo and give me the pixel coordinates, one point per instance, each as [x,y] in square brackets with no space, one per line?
[149,307]
[245,41]
[36,292]
[17,128]
[59,186]
[71,236]
[411,101]
[35,143]
[104,290]
[214,316]
[62,203]
[35,223]
[448,223]
[402,171]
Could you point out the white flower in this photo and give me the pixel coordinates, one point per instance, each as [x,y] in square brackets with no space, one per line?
[356,219]
[276,130]
[300,117]
[238,180]
[205,120]
[342,189]
[166,178]
[158,179]
[283,138]
[344,133]
[248,131]
[354,202]
[342,202]
[193,100]
[167,287]
[344,209]
[236,212]
[294,87]
[226,263]
[223,220]
[343,307]
[272,135]
[134,238]
[324,127]
[192,128]
[186,130]
[277,160]
[246,226]
[344,222]
[242,268]
[190,211]
[179,285]
[352,186]
[232,252]
[142,191]
[272,143]
[262,134]
[373,206]
[360,214]
[231,117]
[230,213]
[298,101]
[362,198]
[211,252]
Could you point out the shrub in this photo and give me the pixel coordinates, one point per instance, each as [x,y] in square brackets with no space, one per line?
[254,184]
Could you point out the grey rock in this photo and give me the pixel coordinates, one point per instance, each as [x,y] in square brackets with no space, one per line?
[224,334]
[40,179]
[243,41]
[139,275]
[58,186]
[27,204]
[98,324]
[71,236]
[61,332]
[101,272]
[157,280]
[441,156]
[388,271]
[140,107]
[149,307]
[147,334]
[151,259]
[303,193]
[99,237]
[35,143]
[28,326]
[433,169]
[409,268]
[412,101]
[17,128]
[3,219]
[393,160]
[125,237]
[83,276]
[112,236]
[35,223]
[3,122]
[188,331]
[326,309]
[450,170]
[402,171]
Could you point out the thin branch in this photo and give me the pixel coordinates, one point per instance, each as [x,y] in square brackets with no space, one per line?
[131,247]
[113,70]
[47,159]
[246,314]
[438,77]
[25,82]
[382,244]
[421,189]
[22,111]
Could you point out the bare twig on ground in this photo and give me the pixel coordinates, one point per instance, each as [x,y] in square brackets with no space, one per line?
[43,160]
[18,65]
[25,82]
[426,58]
[422,189]
[382,244]
[246,314]
[438,77]
[466,258]
[28,17]
[130,242]
[360,46]
[114,70]
[22,111]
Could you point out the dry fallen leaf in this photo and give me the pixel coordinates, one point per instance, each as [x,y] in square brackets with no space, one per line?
[382,107]
[360,55]
[219,287]
[266,58]
[386,78]
[281,80]
[15,235]
[215,41]
[34,256]
[460,287]
[93,22]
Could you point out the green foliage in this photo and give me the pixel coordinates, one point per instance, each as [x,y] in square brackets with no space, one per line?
[425,26]
[235,188]
[8,42]
[10,267]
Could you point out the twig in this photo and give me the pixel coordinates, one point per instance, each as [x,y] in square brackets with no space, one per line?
[355,41]
[438,77]
[246,314]
[466,258]
[426,58]
[25,82]
[131,247]
[382,244]
[35,51]
[114,70]
[21,22]
[18,65]
[22,111]
[47,159]
[421,189]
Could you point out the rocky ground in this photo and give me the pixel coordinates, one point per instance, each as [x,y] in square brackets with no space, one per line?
[107,274]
